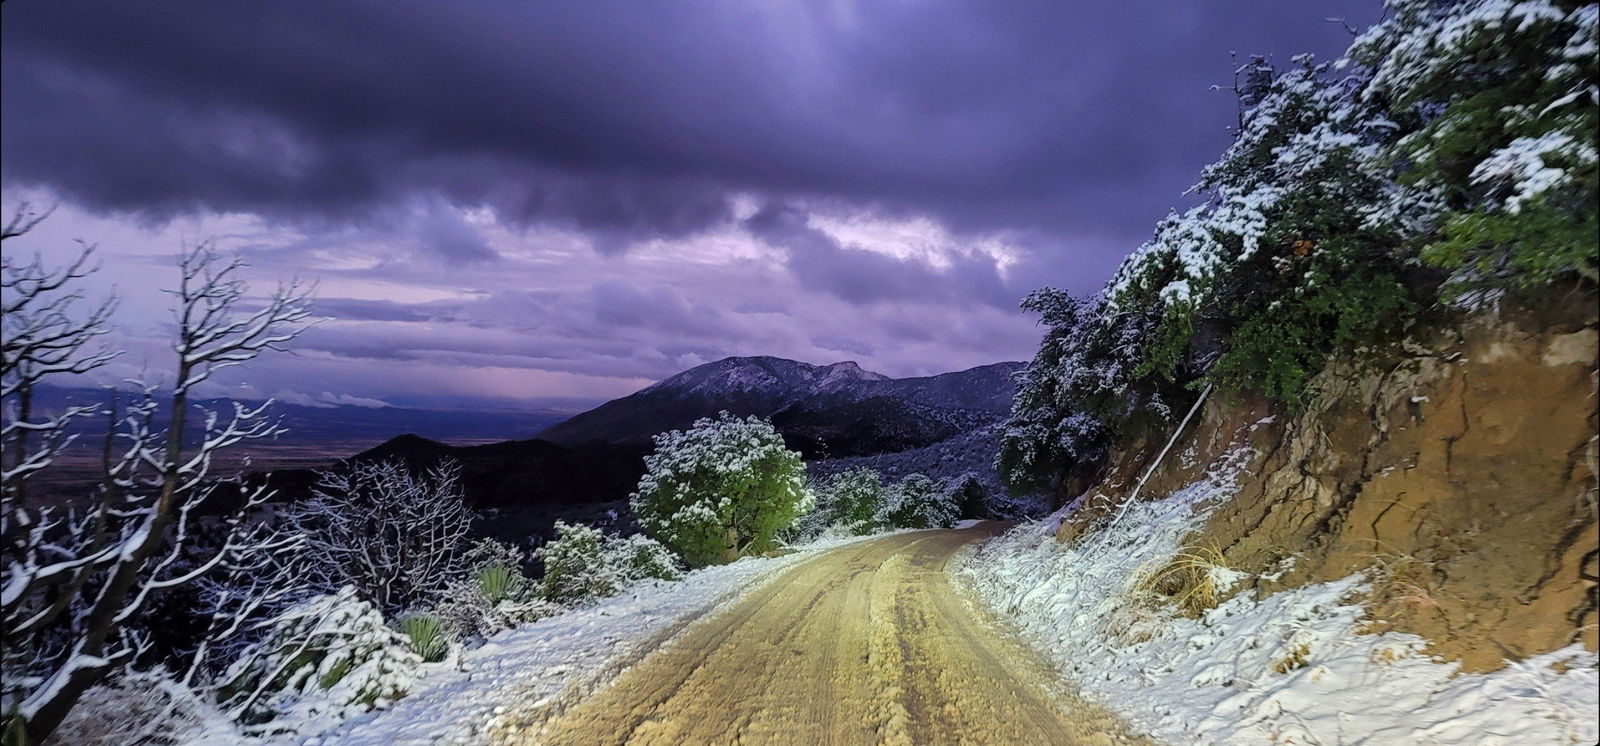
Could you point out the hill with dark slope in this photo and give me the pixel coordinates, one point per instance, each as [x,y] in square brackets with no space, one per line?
[523,486]
[582,470]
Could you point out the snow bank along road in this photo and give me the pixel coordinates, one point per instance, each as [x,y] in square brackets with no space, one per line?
[867,643]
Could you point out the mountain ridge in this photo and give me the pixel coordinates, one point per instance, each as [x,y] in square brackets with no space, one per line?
[797,396]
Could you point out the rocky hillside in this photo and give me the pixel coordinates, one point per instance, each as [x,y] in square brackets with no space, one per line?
[1460,478]
[825,411]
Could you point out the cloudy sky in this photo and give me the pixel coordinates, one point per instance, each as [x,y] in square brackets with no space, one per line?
[525,203]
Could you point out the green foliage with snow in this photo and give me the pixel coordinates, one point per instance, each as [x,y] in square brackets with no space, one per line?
[323,660]
[492,596]
[428,635]
[1454,148]
[583,564]
[1498,105]
[497,582]
[919,502]
[856,502]
[851,500]
[722,488]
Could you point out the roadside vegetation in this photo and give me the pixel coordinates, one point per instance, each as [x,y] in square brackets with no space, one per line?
[1448,163]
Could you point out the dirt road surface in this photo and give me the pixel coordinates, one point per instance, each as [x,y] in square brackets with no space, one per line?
[871,643]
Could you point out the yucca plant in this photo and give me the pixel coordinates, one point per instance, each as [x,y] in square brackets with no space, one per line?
[497,582]
[429,637]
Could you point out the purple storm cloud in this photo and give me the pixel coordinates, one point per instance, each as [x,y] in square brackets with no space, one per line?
[533,203]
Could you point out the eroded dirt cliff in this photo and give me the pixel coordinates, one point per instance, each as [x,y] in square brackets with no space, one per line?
[1461,475]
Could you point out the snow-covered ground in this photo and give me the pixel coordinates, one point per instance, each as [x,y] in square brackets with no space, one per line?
[1287,669]
[565,655]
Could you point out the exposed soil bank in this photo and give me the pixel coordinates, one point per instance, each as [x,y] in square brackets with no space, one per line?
[1462,475]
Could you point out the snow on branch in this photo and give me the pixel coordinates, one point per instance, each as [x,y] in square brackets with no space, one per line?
[78,575]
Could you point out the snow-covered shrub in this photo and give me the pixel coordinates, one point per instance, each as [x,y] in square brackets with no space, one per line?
[1300,250]
[575,570]
[969,497]
[428,635]
[850,501]
[468,610]
[583,564]
[642,558]
[326,659]
[724,487]
[1497,103]
[136,707]
[395,536]
[919,502]
[492,595]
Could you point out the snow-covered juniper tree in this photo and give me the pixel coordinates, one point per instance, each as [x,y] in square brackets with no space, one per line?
[396,537]
[722,488]
[76,577]
[1082,390]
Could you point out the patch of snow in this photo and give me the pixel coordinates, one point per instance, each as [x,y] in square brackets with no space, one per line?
[1525,166]
[1290,668]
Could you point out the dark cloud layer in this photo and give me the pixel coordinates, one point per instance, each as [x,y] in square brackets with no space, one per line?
[634,118]
[506,195]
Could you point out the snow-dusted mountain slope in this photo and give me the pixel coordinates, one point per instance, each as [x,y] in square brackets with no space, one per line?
[824,410]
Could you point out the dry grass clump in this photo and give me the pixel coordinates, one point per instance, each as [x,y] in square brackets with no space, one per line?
[1195,579]
[1295,659]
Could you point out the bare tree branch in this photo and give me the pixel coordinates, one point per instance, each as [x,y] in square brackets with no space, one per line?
[74,580]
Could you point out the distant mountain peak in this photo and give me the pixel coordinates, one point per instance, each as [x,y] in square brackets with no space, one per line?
[765,386]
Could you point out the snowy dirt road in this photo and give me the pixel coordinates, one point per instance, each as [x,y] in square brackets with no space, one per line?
[868,643]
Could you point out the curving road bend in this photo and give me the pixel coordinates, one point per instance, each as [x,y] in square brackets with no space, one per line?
[870,643]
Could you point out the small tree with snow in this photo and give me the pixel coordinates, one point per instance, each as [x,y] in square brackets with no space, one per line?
[395,536]
[851,500]
[919,502]
[722,488]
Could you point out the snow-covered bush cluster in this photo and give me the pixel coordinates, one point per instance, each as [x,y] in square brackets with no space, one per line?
[849,502]
[920,502]
[1452,149]
[583,564]
[856,502]
[492,595]
[966,459]
[723,488]
[324,659]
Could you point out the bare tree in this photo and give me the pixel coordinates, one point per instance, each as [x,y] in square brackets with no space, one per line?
[394,535]
[44,336]
[74,578]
